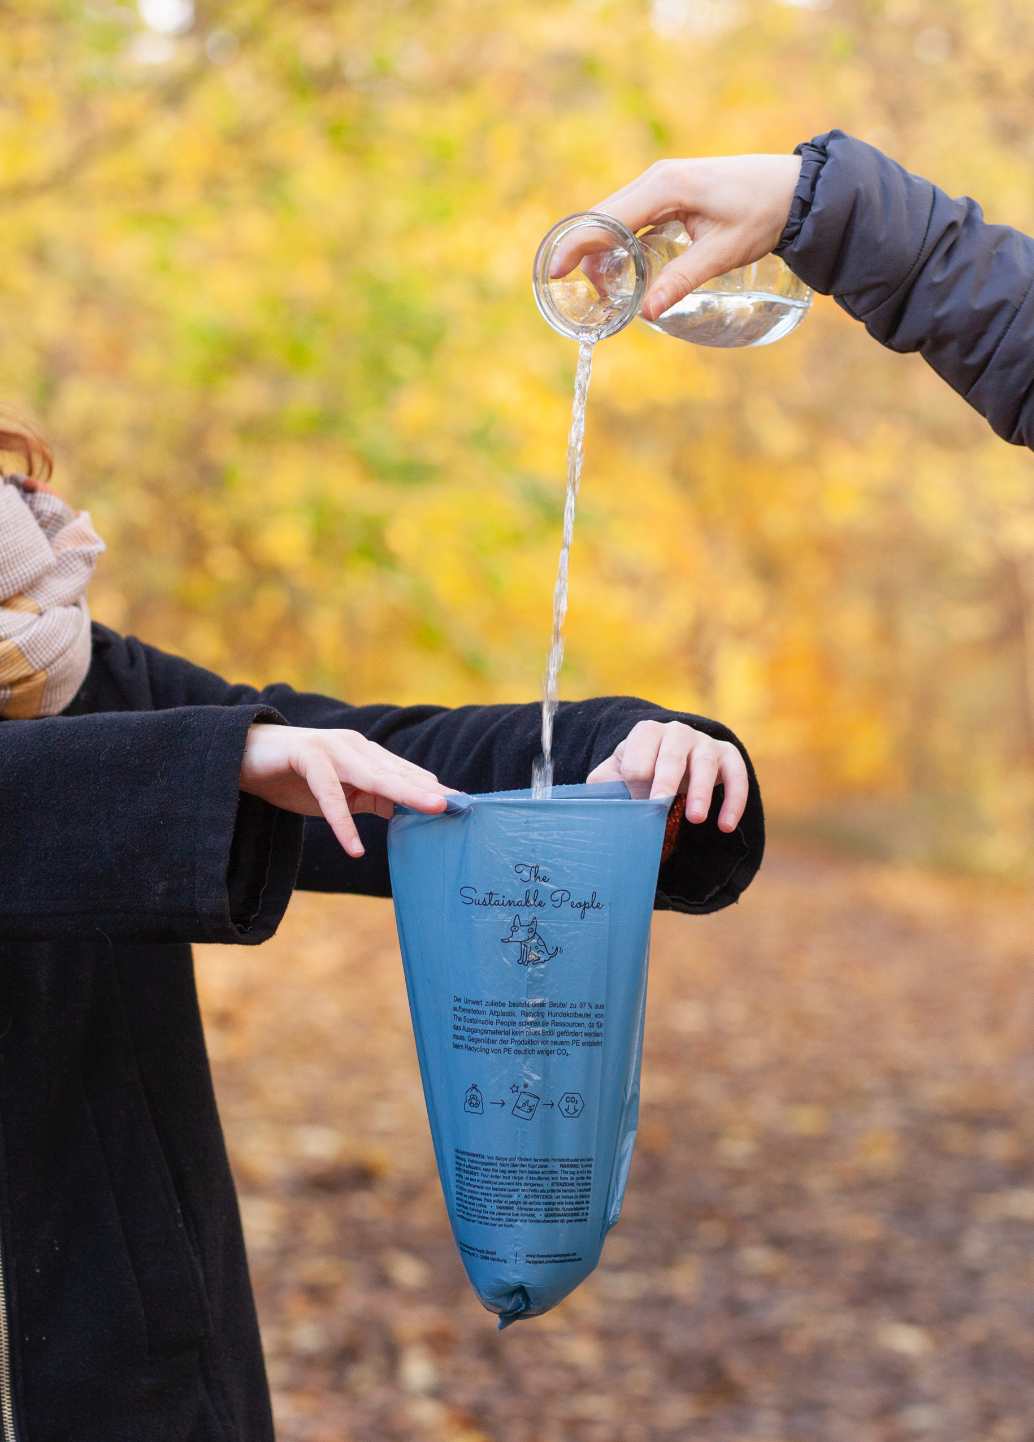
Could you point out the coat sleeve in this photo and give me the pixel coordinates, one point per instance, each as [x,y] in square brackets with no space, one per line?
[491,748]
[922,271]
[474,748]
[130,828]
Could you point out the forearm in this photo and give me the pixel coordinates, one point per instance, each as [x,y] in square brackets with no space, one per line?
[922,271]
[491,748]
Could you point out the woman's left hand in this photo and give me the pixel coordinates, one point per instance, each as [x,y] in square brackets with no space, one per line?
[663,758]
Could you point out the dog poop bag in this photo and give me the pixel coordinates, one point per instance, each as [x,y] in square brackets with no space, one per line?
[525,929]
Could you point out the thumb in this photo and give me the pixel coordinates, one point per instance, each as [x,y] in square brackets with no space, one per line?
[608,770]
[710,256]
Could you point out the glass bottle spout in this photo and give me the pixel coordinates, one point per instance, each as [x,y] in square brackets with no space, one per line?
[591,274]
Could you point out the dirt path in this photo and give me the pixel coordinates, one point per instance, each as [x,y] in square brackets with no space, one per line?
[829,1223]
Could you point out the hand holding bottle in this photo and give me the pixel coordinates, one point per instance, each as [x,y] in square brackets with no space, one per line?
[734,208]
[688,247]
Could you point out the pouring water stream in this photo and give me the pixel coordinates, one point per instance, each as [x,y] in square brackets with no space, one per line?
[752,306]
[542,771]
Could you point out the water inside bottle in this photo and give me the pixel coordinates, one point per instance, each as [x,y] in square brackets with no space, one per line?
[542,771]
[727,318]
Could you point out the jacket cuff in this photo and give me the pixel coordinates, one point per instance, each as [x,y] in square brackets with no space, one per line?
[814,155]
[244,878]
[709,869]
[127,828]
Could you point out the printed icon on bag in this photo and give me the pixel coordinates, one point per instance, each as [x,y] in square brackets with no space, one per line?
[525,1106]
[571,1104]
[532,947]
[472,1101]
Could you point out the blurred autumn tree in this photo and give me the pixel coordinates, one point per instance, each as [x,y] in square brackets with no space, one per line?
[267,280]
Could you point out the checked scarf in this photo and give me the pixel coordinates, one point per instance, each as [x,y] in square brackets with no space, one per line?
[47,556]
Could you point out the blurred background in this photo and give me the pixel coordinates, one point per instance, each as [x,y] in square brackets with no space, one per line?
[265,273]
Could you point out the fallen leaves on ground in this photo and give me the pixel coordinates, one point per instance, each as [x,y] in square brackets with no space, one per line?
[828,1227]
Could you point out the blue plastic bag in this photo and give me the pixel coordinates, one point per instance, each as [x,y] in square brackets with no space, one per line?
[525,929]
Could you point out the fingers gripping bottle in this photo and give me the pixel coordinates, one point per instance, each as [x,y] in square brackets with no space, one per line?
[606,271]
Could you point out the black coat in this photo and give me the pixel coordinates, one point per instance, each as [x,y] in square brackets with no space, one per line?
[924,272]
[124,837]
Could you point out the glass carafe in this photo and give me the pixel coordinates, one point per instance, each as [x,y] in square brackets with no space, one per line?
[607,271]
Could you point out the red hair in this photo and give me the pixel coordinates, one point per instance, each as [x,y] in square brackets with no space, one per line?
[22,435]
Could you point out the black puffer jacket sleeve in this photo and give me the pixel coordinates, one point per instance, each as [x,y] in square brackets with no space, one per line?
[130,828]
[923,272]
[474,748]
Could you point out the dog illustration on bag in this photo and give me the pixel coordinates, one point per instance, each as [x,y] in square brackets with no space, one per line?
[532,947]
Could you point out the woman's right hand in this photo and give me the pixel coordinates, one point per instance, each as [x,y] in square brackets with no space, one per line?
[735,208]
[334,774]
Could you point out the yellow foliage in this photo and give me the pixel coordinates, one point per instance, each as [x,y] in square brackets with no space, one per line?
[277,313]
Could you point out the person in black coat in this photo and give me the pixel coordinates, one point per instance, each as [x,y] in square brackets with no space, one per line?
[164,806]
[922,271]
